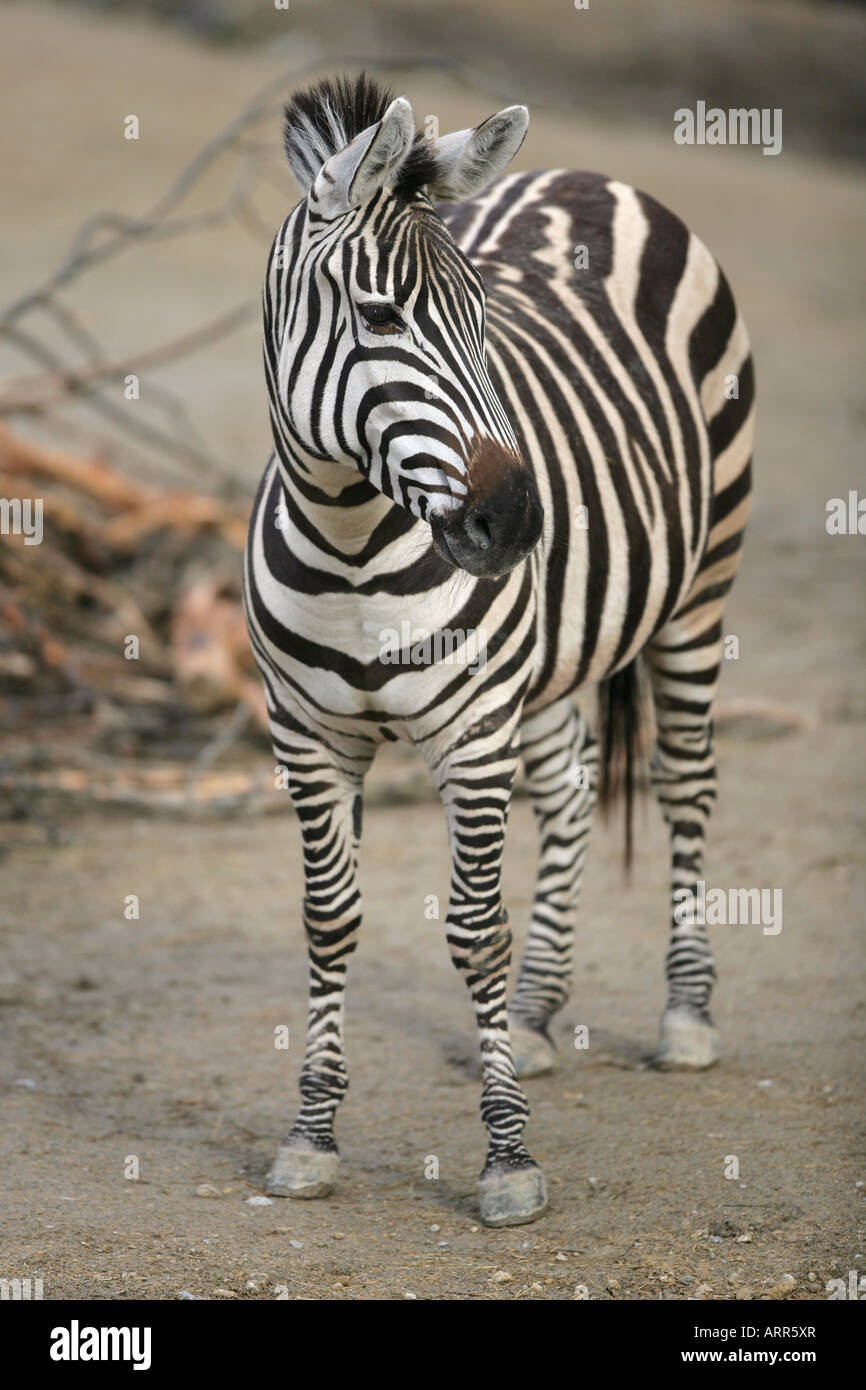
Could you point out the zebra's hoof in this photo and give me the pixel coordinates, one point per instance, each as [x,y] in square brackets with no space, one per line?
[534,1054]
[513,1196]
[303,1172]
[687,1042]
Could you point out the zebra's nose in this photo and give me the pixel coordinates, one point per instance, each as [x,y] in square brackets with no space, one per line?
[493,533]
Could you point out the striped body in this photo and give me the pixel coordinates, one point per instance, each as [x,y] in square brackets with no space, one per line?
[613,378]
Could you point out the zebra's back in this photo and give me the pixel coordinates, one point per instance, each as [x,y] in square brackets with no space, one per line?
[615,345]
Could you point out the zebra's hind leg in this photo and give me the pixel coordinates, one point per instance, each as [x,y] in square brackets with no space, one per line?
[561,762]
[328,803]
[684,668]
[475,784]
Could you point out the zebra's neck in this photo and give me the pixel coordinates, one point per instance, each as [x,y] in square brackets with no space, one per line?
[328,512]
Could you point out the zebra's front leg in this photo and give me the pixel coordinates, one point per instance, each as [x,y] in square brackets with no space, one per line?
[476,792]
[329,810]
[560,759]
[684,780]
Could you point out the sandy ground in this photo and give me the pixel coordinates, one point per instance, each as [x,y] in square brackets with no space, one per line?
[154,1038]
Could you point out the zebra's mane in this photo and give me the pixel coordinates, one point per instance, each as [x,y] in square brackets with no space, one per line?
[325,117]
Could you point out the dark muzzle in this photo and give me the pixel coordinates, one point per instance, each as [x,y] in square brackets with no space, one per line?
[493,532]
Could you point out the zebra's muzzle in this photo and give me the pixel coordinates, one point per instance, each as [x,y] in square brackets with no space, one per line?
[489,535]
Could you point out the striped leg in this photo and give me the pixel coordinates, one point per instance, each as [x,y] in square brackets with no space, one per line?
[327,798]
[684,668]
[561,762]
[476,790]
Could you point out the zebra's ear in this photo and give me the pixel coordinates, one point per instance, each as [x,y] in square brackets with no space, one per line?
[469,160]
[354,173]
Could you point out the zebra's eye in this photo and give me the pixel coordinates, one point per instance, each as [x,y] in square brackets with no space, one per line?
[381,318]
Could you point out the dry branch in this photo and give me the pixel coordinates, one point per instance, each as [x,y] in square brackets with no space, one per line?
[26,395]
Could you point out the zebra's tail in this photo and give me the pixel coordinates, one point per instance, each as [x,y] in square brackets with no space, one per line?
[625,727]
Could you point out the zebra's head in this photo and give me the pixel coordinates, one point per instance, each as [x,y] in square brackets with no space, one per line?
[375,323]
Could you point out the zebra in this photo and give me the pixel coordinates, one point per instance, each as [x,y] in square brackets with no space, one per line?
[513,404]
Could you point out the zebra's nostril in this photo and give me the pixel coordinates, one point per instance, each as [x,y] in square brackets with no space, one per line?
[479,530]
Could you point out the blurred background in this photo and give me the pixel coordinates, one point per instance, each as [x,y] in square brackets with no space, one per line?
[132,402]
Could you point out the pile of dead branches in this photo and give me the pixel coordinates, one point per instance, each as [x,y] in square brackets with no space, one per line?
[133,597]
[121,630]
